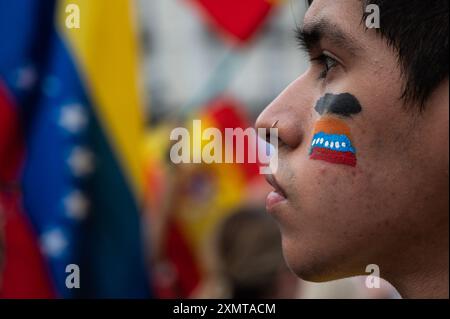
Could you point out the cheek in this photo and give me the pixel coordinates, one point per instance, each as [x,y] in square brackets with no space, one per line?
[333,213]
[336,189]
[333,199]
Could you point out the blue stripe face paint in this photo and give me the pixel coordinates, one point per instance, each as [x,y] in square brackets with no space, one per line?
[336,142]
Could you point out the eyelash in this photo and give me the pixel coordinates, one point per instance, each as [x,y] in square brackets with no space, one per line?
[327,62]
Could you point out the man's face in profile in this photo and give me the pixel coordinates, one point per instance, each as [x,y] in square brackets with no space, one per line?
[364,173]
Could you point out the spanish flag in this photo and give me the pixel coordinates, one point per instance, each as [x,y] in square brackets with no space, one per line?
[70,76]
[200,198]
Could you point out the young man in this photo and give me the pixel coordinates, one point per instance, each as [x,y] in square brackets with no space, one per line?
[363,152]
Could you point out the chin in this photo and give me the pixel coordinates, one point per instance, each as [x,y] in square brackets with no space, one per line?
[313,263]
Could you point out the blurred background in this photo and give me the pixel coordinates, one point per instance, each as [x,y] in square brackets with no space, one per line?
[88,97]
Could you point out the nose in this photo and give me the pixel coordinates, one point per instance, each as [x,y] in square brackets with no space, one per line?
[291,112]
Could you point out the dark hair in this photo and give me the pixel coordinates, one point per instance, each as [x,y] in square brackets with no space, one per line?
[418,31]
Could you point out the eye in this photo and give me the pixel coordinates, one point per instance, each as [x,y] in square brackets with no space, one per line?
[327,62]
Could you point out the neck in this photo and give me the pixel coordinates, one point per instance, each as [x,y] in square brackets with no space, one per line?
[424,271]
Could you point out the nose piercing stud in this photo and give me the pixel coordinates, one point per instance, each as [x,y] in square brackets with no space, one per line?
[274,124]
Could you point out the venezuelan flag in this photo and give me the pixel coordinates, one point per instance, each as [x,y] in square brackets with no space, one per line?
[75,175]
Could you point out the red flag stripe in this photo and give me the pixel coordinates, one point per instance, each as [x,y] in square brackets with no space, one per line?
[24,274]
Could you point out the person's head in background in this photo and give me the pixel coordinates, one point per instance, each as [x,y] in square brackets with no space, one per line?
[363,146]
[249,257]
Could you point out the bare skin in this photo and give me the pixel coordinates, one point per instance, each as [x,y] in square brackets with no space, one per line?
[392,208]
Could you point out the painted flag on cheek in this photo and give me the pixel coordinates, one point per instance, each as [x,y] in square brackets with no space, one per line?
[236,19]
[332,142]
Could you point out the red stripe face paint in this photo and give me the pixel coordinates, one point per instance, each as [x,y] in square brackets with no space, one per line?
[332,141]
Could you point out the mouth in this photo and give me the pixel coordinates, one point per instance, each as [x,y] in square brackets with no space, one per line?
[276,196]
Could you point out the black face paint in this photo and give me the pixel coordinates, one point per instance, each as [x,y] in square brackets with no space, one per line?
[343,104]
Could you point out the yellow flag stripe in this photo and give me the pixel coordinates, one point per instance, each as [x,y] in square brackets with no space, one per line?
[106,50]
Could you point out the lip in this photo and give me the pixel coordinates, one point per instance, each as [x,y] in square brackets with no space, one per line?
[276,196]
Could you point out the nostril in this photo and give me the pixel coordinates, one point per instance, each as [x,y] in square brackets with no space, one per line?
[274,140]
[270,135]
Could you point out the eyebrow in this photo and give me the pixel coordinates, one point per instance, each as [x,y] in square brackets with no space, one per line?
[310,35]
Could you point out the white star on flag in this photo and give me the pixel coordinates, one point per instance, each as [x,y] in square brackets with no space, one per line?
[26,78]
[76,205]
[53,243]
[73,118]
[81,161]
